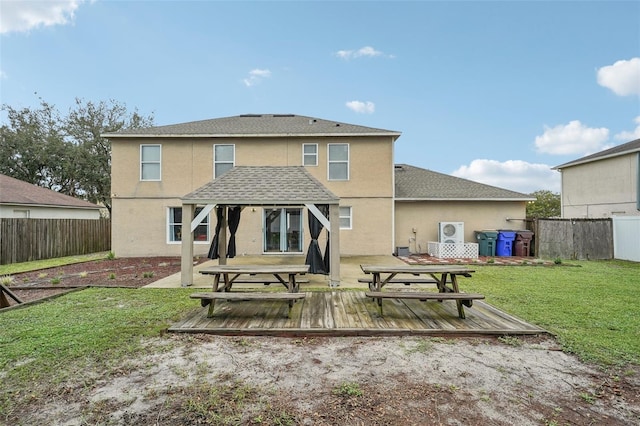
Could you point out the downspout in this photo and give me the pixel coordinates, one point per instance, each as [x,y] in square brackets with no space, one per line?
[638,184]
[561,193]
[393,194]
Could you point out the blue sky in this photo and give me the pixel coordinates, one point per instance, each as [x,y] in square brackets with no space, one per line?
[497,92]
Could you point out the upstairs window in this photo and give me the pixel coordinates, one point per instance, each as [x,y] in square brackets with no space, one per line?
[150,162]
[338,159]
[224,158]
[310,154]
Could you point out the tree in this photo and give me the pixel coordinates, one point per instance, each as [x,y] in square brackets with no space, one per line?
[547,204]
[84,125]
[65,154]
[34,149]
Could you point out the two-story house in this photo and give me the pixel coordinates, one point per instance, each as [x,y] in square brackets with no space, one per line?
[153,169]
[283,170]
[603,184]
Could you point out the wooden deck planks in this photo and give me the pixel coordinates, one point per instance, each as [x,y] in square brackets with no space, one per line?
[352,313]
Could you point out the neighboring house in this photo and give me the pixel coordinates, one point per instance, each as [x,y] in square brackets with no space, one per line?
[603,184]
[379,205]
[19,199]
[424,198]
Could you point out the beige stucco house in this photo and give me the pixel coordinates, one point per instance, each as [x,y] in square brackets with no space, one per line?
[280,169]
[603,184]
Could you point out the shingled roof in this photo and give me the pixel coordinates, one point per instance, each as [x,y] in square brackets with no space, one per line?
[263,185]
[416,184]
[14,191]
[616,151]
[255,125]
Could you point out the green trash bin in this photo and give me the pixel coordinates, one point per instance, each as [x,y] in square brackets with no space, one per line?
[486,242]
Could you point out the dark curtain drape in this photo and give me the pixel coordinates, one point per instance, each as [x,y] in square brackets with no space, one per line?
[213,249]
[234,221]
[314,255]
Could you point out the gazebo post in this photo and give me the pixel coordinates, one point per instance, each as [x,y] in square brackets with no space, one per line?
[186,266]
[334,245]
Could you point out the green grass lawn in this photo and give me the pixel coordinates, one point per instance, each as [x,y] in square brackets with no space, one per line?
[96,326]
[589,307]
[17,268]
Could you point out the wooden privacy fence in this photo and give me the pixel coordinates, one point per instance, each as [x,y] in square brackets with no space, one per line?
[23,240]
[574,238]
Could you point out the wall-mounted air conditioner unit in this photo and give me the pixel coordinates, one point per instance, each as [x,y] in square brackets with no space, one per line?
[451,232]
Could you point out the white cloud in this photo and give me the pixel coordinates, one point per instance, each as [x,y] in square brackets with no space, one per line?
[361,107]
[623,77]
[515,175]
[632,135]
[366,51]
[22,16]
[572,138]
[256,76]
[3,75]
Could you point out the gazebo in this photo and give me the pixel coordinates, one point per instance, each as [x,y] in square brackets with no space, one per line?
[259,186]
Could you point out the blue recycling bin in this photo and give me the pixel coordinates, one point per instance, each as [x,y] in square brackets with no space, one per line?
[504,243]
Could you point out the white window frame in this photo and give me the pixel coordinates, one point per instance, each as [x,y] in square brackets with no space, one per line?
[21,213]
[347,161]
[143,162]
[216,162]
[347,216]
[205,222]
[313,155]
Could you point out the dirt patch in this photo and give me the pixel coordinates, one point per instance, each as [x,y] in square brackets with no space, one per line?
[133,272]
[122,272]
[203,379]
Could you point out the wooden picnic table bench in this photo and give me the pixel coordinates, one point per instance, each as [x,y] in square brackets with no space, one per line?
[266,280]
[404,280]
[465,298]
[265,274]
[209,298]
[239,273]
[440,274]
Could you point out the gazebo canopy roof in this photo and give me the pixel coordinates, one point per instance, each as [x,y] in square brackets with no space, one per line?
[263,185]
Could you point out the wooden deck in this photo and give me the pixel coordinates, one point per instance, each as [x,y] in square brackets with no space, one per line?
[351,313]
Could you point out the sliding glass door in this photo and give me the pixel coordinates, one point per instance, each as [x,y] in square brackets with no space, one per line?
[283,230]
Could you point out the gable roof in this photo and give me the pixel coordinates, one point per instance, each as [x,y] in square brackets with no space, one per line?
[416,184]
[263,185]
[14,191]
[252,125]
[616,151]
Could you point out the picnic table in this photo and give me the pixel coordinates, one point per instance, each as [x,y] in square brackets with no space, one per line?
[224,276]
[440,275]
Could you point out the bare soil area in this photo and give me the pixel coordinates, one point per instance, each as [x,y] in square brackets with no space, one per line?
[203,379]
[120,272]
